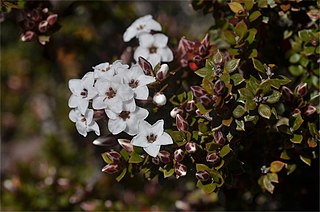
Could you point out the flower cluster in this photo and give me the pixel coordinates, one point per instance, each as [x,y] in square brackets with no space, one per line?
[114,90]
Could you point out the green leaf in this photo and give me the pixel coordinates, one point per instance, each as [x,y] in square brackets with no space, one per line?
[212,146]
[305,160]
[277,83]
[225,150]
[168,171]
[273,177]
[304,62]
[208,188]
[276,166]
[253,119]
[135,158]
[176,135]
[308,50]
[249,105]
[252,35]
[264,111]
[284,155]
[262,3]
[235,7]
[249,4]
[240,125]
[258,65]
[237,79]
[217,57]
[218,179]
[290,168]
[274,97]
[241,29]
[106,158]
[231,65]
[202,167]
[297,139]
[238,111]
[245,93]
[208,86]
[229,36]
[202,109]
[254,53]
[304,35]
[203,127]
[203,72]
[297,121]
[253,16]
[294,58]
[120,176]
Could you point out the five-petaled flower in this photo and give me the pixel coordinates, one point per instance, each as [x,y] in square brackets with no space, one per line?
[127,120]
[82,92]
[154,49]
[84,122]
[151,137]
[140,26]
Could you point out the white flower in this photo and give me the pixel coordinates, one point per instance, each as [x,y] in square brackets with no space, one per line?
[84,123]
[138,81]
[159,99]
[154,49]
[107,71]
[151,137]
[82,92]
[111,95]
[127,120]
[142,25]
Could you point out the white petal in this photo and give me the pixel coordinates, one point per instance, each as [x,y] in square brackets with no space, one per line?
[166,54]
[88,115]
[141,92]
[157,128]
[88,80]
[115,106]
[153,25]
[141,113]
[75,86]
[111,114]
[94,127]
[81,128]
[146,40]
[154,59]
[144,127]
[152,150]
[125,92]
[130,33]
[132,126]
[164,139]
[160,40]
[141,52]
[129,105]
[116,126]
[145,80]
[83,105]
[74,115]
[140,140]
[74,101]
[99,103]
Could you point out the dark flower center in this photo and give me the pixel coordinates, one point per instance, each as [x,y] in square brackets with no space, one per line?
[111,93]
[153,50]
[133,83]
[151,138]
[84,93]
[124,115]
[141,26]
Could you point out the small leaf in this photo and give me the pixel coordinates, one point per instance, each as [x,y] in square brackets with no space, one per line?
[267,184]
[297,139]
[254,53]
[306,160]
[274,97]
[253,16]
[297,121]
[258,65]
[217,57]
[203,72]
[290,168]
[245,93]
[229,36]
[249,4]
[264,111]
[225,150]
[240,125]
[231,65]
[277,83]
[208,86]
[252,35]
[273,177]
[202,109]
[123,173]
[237,79]
[296,70]
[241,29]
[208,188]
[304,35]
[249,105]
[284,155]
[201,167]
[239,111]
[294,58]
[276,166]
[167,172]
[135,158]
[106,158]
[235,7]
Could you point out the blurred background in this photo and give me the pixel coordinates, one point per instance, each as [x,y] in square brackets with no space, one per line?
[45,163]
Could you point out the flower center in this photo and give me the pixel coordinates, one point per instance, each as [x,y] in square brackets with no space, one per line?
[124,115]
[133,83]
[83,119]
[151,138]
[105,69]
[153,50]
[141,26]
[84,93]
[111,93]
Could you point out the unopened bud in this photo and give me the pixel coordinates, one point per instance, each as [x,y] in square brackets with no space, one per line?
[159,99]
[191,147]
[180,170]
[197,59]
[184,62]
[213,157]
[43,26]
[99,114]
[162,73]
[178,155]
[27,36]
[114,156]
[111,168]
[202,175]
[181,123]
[52,19]
[302,89]
[219,137]
[145,65]
[126,145]
[107,140]
[164,156]
[205,40]
[310,110]
[206,100]
[287,94]
[175,111]
[190,106]
[155,160]
[219,87]
[202,50]
[198,91]
[296,112]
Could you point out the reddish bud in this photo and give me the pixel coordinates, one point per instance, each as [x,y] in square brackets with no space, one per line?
[310,110]
[287,94]
[43,26]
[206,99]
[98,114]
[162,73]
[178,155]
[175,111]
[219,137]
[164,156]
[197,59]
[202,50]
[155,160]
[296,111]
[198,91]
[302,89]
[181,123]
[202,175]
[111,168]
[114,156]
[190,106]
[205,40]
[191,147]
[27,36]
[52,19]
[108,141]
[219,87]
[180,170]
[126,145]
[213,157]
[145,65]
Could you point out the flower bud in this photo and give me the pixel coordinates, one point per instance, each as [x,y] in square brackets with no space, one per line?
[219,137]
[202,50]
[191,147]
[114,156]
[178,155]
[162,73]
[175,111]
[145,65]
[202,175]
[98,114]
[190,106]
[43,26]
[180,170]
[213,157]
[219,87]
[164,156]
[296,112]
[310,110]
[155,160]
[159,99]
[302,89]
[198,91]
[205,40]
[27,36]
[126,145]
[206,99]
[107,140]
[184,62]
[52,19]
[181,123]
[111,168]
[287,94]
[197,59]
